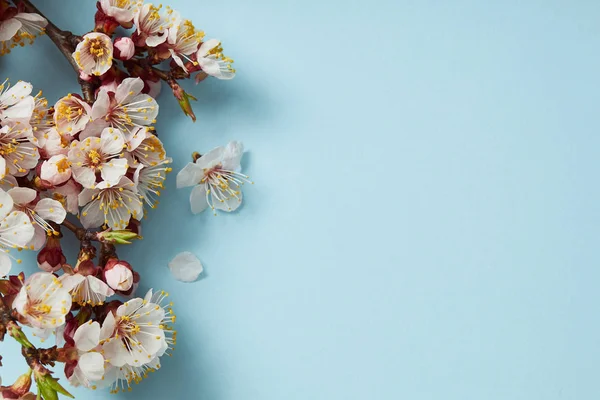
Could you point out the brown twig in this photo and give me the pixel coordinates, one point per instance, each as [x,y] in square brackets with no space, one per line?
[66,42]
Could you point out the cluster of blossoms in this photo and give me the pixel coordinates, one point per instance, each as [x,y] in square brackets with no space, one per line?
[96,158]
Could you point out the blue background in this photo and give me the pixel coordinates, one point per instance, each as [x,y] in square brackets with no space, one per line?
[425,219]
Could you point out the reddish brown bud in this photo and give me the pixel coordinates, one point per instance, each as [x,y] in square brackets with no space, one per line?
[51,257]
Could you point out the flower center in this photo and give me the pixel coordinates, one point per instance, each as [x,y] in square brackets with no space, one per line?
[63,165]
[97,48]
[123,3]
[37,310]
[94,158]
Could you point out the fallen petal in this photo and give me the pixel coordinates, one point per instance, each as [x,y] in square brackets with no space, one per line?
[185,267]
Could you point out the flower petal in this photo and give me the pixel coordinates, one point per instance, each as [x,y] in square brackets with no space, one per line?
[92,365]
[5,264]
[22,196]
[51,210]
[190,175]
[16,229]
[185,267]
[6,204]
[198,201]
[87,336]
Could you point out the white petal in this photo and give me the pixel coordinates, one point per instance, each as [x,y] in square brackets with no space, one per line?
[9,28]
[99,287]
[85,176]
[232,156]
[100,107]
[5,264]
[190,175]
[23,195]
[17,229]
[112,141]
[39,238]
[114,169]
[198,200]
[16,93]
[108,326]
[92,215]
[212,158]
[51,210]
[87,336]
[70,281]
[92,366]
[231,203]
[185,267]
[6,204]
[207,46]
[129,88]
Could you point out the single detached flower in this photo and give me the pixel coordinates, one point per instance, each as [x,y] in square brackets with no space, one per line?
[212,61]
[39,212]
[42,301]
[183,41]
[124,48]
[216,179]
[16,231]
[17,152]
[101,154]
[56,170]
[126,109]
[71,115]
[110,204]
[94,54]
[153,24]
[16,104]
[89,366]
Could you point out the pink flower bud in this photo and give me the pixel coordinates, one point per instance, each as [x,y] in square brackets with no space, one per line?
[51,257]
[84,77]
[118,275]
[124,48]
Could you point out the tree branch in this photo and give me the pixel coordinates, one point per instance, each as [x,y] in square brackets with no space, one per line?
[66,42]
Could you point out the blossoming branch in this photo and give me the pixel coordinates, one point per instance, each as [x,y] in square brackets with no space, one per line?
[92,164]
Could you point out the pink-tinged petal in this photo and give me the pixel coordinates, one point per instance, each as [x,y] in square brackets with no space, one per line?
[128,89]
[22,196]
[20,111]
[6,204]
[51,210]
[16,228]
[39,238]
[190,175]
[112,141]
[93,129]
[9,28]
[113,170]
[16,93]
[85,176]
[87,336]
[210,66]
[92,216]
[198,201]
[155,40]
[101,105]
[185,267]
